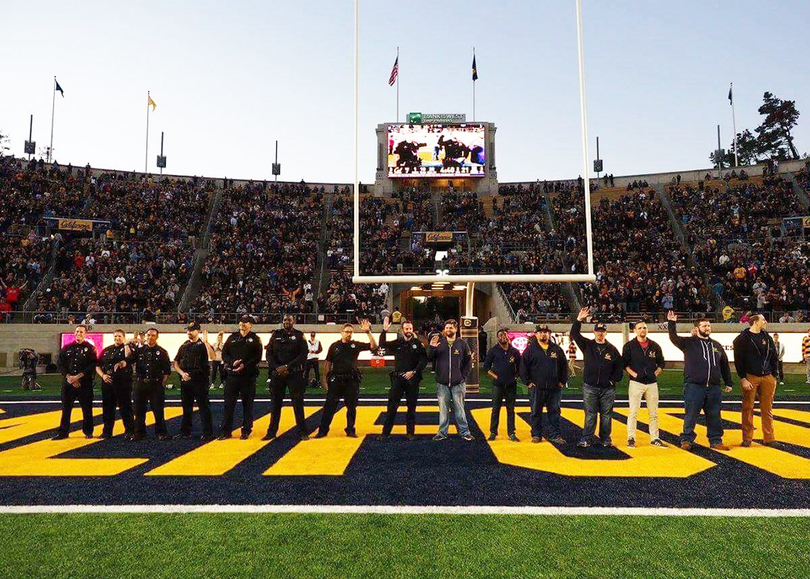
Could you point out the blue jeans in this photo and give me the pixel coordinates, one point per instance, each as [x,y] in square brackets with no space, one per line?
[597,400]
[550,398]
[697,397]
[455,394]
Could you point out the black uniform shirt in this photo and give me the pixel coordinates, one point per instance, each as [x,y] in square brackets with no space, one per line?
[192,357]
[78,358]
[287,349]
[110,356]
[409,355]
[247,348]
[343,355]
[152,363]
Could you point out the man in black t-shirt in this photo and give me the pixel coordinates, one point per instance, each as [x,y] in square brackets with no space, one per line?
[342,378]
[191,362]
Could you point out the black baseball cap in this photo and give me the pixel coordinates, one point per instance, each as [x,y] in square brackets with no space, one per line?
[247,318]
[542,328]
[600,326]
[502,330]
[193,326]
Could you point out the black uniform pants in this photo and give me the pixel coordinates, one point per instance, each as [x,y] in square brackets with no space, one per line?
[315,367]
[400,386]
[149,394]
[781,370]
[500,393]
[239,385]
[117,393]
[278,386]
[191,391]
[84,394]
[217,367]
[347,387]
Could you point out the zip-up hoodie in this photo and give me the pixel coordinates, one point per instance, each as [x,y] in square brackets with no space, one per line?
[603,363]
[643,362]
[453,364]
[705,361]
[546,369]
[755,354]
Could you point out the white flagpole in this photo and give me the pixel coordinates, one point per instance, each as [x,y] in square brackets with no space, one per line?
[53,109]
[397,83]
[734,126]
[146,156]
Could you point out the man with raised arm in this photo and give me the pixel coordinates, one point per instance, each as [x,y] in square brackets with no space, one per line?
[453,362]
[410,359]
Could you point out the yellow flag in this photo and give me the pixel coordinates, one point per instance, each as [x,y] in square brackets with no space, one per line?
[151,102]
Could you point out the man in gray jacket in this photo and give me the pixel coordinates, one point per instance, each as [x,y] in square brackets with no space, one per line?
[453,363]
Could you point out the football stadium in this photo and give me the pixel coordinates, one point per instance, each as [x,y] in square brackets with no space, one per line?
[404,355]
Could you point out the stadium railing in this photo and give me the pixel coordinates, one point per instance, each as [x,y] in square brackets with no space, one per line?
[43,317]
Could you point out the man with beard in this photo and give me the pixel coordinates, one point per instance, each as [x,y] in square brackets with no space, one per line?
[502,363]
[544,370]
[153,368]
[342,377]
[286,354]
[241,355]
[77,361]
[410,359]
[192,363]
[643,360]
[116,385]
[453,364]
[757,363]
[704,365]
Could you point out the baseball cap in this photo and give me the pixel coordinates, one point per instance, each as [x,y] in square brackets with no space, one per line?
[600,326]
[502,330]
[542,328]
[193,326]
[247,318]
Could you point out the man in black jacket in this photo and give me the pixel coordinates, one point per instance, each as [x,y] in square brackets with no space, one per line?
[453,363]
[286,355]
[704,364]
[502,363]
[756,360]
[77,361]
[603,369]
[410,359]
[115,370]
[192,364]
[544,370]
[241,355]
[643,360]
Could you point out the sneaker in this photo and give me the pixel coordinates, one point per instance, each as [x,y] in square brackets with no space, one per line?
[60,436]
[631,443]
[440,437]
[745,443]
[303,436]
[182,436]
[557,440]
[607,443]
[536,439]
[719,446]
[206,438]
[321,434]
[657,442]
[269,436]
[244,436]
[169,386]
[772,444]
[583,444]
[88,436]
[222,386]
[105,435]
[224,436]
[514,438]
[213,386]
[411,437]
[781,383]
[468,437]
[492,437]
[351,434]
[686,445]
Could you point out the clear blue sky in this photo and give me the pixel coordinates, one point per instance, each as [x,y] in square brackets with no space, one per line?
[229,78]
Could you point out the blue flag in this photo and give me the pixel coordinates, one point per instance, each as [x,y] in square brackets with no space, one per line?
[730,97]
[474,70]
[59,88]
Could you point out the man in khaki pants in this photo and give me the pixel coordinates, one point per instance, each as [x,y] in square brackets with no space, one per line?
[756,360]
[643,360]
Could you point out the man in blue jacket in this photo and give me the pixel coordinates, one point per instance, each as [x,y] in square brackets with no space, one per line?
[544,370]
[453,363]
[502,363]
[704,364]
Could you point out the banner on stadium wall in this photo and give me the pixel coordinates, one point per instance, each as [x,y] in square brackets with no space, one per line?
[438,237]
[75,224]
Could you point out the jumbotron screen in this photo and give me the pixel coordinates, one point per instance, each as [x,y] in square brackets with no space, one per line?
[436,150]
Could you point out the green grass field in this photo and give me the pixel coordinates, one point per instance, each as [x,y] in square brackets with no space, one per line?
[389,546]
[376,383]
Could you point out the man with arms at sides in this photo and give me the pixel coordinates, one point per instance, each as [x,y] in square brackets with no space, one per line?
[544,370]
[77,361]
[705,364]
[453,361]
[643,360]
[241,355]
[342,377]
[502,363]
[286,355]
[153,368]
[314,347]
[603,369]
[780,357]
[410,359]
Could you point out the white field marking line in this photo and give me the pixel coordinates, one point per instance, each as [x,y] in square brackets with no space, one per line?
[408,510]
[171,402]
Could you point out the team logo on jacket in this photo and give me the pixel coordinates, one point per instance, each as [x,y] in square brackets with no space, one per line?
[511,359]
[651,354]
[608,357]
[456,352]
[553,355]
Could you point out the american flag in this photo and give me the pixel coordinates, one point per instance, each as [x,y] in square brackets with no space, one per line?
[394,72]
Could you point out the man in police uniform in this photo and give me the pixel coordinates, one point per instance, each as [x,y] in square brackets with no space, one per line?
[191,363]
[342,378]
[286,355]
[502,363]
[241,355]
[314,348]
[153,367]
[116,385]
[410,359]
[77,361]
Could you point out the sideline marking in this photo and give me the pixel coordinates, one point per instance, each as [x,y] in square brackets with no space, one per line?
[407,510]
